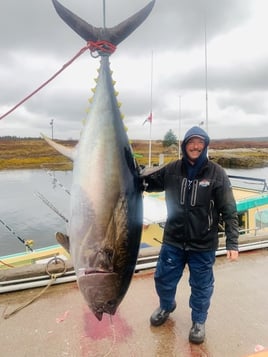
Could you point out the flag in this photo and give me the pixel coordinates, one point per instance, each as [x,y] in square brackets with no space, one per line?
[149,119]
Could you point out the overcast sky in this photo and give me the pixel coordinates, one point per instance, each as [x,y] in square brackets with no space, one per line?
[167,51]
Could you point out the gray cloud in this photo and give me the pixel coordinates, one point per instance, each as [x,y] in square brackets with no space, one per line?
[35,43]
[246,102]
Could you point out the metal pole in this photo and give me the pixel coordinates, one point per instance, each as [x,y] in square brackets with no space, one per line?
[179,126]
[104,14]
[52,124]
[206,68]
[150,146]
[15,234]
[151,112]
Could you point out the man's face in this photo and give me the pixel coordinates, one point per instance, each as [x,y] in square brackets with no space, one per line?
[194,148]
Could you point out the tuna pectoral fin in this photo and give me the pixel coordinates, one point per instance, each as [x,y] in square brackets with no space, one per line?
[63,240]
[65,151]
[114,35]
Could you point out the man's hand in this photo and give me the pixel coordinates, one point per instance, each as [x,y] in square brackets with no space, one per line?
[232,255]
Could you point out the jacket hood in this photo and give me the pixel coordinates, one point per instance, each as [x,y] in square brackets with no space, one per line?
[192,169]
[196,131]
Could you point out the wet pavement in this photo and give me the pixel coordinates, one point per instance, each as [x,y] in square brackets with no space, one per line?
[59,322]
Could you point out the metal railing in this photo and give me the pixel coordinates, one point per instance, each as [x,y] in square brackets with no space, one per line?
[260,184]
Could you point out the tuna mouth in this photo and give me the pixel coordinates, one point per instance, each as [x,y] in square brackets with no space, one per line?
[101,291]
[89,271]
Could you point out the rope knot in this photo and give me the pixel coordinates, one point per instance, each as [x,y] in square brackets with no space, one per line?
[100,48]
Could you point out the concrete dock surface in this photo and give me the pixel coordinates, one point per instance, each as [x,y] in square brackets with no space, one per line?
[58,323]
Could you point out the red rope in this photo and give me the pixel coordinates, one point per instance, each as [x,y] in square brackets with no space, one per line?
[101,47]
[48,81]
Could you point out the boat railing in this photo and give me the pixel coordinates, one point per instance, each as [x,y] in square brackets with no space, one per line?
[246,182]
[249,231]
[253,232]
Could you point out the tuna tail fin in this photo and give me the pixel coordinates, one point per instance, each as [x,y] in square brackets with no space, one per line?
[64,150]
[114,35]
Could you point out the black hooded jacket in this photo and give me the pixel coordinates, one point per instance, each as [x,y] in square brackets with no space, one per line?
[194,206]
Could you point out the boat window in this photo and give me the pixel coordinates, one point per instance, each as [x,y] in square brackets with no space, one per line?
[261,219]
[243,222]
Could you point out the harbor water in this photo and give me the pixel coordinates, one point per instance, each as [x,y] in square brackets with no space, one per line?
[25,216]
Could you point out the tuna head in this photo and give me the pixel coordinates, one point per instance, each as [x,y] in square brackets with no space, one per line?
[101,291]
[105,258]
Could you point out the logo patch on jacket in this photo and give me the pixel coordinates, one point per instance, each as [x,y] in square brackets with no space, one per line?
[204,183]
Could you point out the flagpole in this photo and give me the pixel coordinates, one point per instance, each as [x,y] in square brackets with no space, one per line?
[150,146]
[151,113]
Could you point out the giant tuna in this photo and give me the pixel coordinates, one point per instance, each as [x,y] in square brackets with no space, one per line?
[106,212]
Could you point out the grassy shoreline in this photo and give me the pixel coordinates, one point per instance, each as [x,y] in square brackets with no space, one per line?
[37,154]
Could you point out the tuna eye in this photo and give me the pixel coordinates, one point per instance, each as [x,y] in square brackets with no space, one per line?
[111,303]
[109,254]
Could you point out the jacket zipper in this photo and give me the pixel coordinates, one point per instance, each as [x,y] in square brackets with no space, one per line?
[210,216]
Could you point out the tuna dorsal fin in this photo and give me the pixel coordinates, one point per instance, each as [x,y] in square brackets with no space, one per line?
[114,35]
[64,150]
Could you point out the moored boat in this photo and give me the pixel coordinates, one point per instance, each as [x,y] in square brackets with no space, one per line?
[38,256]
[32,269]
[251,195]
